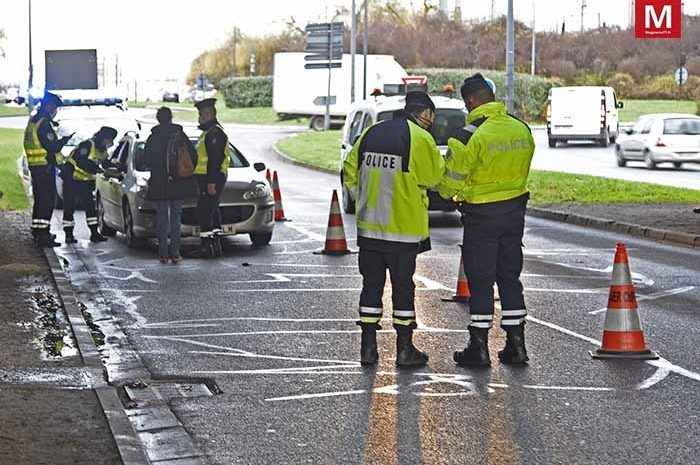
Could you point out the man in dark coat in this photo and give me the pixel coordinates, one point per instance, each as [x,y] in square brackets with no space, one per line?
[167,190]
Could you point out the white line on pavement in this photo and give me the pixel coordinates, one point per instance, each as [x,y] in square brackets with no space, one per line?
[302,230]
[316,396]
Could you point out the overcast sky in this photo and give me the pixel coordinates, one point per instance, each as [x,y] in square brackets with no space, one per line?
[159,38]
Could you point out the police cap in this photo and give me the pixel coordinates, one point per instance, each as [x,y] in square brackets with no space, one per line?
[474,83]
[51,99]
[206,103]
[106,132]
[418,98]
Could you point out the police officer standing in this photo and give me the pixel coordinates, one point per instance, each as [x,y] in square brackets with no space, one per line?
[213,158]
[87,160]
[41,146]
[389,168]
[486,173]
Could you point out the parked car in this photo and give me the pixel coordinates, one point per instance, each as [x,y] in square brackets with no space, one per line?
[247,204]
[661,138]
[450,116]
[172,97]
[583,113]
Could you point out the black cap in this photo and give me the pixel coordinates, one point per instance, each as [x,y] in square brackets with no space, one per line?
[51,99]
[473,84]
[206,103]
[418,98]
[106,132]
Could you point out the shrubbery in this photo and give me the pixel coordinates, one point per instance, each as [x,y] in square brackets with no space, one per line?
[246,92]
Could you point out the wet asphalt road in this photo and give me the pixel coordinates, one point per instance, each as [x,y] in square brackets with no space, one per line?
[274,328]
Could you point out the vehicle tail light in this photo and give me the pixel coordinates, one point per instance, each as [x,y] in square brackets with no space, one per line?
[602,110]
[660,143]
[549,110]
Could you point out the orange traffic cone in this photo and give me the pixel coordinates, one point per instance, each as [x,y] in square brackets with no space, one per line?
[336,244]
[279,209]
[463,293]
[622,335]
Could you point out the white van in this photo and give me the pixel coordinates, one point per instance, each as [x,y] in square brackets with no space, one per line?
[583,113]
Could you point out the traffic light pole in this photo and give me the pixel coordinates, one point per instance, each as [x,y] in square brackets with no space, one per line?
[327,117]
[510,58]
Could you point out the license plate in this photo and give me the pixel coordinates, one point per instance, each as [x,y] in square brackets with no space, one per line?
[228,229]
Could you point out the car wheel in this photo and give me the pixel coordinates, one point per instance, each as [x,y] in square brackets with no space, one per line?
[677,164]
[132,241]
[260,239]
[317,123]
[348,202]
[604,141]
[552,142]
[621,161]
[104,229]
[649,160]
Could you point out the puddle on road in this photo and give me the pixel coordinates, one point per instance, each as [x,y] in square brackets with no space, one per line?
[55,340]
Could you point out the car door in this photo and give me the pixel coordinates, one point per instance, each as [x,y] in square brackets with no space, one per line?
[113,189]
[353,131]
[632,145]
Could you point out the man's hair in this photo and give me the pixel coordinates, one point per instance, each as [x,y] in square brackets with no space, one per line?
[415,110]
[483,95]
[164,115]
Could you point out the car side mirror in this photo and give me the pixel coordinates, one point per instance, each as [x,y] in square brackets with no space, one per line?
[629,132]
[138,123]
[620,105]
[355,139]
[259,167]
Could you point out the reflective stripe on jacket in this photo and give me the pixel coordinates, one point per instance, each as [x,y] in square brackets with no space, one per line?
[36,153]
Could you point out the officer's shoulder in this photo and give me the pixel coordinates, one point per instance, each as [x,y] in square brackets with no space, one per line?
[521,122]
[216,134]
[85,146]
[465,133]
[35,118]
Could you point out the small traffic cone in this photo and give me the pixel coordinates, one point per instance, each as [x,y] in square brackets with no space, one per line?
[622,335]
[279,209]
[463,294]
[336,244]
[268,176]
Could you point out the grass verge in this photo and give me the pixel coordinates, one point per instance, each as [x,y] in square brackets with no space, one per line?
[185,112]
[635,108]
[13,195]
[11,110]
[322,149]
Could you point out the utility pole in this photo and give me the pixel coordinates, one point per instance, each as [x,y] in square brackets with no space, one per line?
[493,10]
[116,70]
[353,51]
[233,69]
[534,39]
[364,50]
[583,7]
[30,102]
[510,58]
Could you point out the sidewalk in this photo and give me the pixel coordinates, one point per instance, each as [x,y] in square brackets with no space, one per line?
[49,413]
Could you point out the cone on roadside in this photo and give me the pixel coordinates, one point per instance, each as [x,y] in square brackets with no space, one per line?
[336,244]
[463,294]
[279,209]
[622,334]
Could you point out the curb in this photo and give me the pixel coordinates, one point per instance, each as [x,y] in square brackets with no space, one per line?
[287,159]
[661,235]
[123,433]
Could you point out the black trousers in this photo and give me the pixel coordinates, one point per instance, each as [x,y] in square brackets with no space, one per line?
[44,191]
[82,191]
[492,253]
[401,265]
[208,213]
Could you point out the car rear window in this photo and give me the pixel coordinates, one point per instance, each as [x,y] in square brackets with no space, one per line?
[684,126]
[447,122]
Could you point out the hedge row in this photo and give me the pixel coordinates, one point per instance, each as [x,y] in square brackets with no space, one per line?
[247,92]
[530,92]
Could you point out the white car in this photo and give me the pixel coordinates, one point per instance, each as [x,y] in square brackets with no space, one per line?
[583,113]
[450,116]
[661,138]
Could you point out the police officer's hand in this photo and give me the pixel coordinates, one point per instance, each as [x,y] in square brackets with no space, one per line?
[64,140]
[211,189]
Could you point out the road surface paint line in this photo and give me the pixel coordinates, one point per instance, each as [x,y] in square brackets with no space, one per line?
[130,306]
[637,278]
[429,284]
[602,290]
[208,346]
[320,369]
[281,320]
[295,332]
[317,396]
[296,252]
[300,265]
[654,296]
[562,276]
[114,289]
[298,241]
[660,375]
[286,277]
[349,289]
[309,234]
[663,363]
[277,357]
[567,388]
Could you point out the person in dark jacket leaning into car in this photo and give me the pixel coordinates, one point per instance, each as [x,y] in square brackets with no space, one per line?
[165,186]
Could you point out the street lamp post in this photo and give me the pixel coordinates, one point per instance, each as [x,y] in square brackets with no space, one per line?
[534,40]
[30,102]
[364,50]
[353,51]
[510,58]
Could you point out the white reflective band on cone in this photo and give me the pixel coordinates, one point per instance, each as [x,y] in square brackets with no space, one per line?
[621,274]
[622,320]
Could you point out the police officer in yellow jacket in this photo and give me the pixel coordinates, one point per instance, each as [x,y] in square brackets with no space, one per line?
[389,169]
[213,159]
[486,173]
[41,145]
[84,162]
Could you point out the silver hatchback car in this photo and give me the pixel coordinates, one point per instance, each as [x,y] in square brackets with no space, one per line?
[247,204]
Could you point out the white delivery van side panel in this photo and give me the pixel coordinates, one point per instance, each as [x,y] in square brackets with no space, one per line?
[575,111]
[295,88]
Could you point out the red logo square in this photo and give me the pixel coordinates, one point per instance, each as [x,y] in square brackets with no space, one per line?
[657,19]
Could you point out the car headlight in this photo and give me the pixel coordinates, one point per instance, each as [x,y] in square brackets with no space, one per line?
[257,192]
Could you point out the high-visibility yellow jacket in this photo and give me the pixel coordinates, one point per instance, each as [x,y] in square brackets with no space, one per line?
[489,160]
[389,169]
[86,159]
[212,165]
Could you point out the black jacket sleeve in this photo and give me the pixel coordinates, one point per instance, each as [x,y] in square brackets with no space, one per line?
[215,141]
[82,158]
[49,140]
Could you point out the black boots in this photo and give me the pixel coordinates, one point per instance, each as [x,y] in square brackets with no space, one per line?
[514,353]
[206,248]
[45,239]
[216,244]
[477,352]
[368,347]
[406,353]
[70,238]
[95,235]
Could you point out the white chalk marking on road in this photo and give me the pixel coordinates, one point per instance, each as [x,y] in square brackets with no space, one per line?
[208,346]
[663,363]
[349,363]
[114,289]
[296,252]
[498,385]
[286,277]
[567,388]
[338,289]
[183,323]
[301,265]
[300,331]
[297,241]
[130,306]
[430,285]
[601,290]
[309,234]
[321,369]
[562,276]
[317,396]
[660,375]
[636,277]
[132,275]
[654,296]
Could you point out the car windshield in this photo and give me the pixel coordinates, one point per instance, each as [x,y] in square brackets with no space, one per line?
[447,122]
[684,126]
[237,158]
[85,127]
[139,161]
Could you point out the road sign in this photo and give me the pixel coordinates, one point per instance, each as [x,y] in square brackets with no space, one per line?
[337,56]
[321,100]
[323,65]
[681,75]
[202,82]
